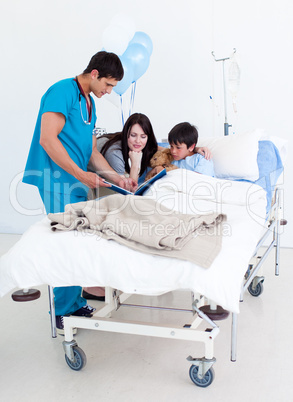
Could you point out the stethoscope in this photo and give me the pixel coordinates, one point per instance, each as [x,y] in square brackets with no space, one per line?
[89,114]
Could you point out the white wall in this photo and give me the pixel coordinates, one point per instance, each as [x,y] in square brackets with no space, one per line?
[42,42]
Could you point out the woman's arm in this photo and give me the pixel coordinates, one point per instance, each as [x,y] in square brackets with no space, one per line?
[135,161]
[99,164]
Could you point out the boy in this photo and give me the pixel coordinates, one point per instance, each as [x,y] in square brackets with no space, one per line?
[183,139]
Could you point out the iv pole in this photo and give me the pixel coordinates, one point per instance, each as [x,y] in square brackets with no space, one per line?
[226,124]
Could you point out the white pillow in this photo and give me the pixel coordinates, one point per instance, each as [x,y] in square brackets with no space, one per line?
[235,156]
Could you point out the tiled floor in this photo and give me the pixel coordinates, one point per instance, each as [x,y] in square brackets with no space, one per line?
[133,368]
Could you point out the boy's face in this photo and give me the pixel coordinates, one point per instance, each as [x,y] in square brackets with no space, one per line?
[180,151]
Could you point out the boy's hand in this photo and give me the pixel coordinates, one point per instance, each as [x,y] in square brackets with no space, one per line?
[204,151]
[158,169]
[153,172]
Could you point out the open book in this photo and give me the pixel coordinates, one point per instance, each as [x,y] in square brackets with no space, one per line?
[140,189]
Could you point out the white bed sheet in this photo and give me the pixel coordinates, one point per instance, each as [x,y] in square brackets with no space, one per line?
[42,256]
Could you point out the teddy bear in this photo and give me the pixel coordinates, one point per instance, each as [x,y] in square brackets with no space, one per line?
[160,160]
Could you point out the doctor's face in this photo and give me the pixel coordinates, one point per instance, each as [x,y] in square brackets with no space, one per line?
[102,86]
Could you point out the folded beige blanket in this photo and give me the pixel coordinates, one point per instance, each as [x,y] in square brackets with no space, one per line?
[147,226]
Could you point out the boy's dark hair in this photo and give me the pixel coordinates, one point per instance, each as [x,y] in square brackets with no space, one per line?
[183,133]
[107,64]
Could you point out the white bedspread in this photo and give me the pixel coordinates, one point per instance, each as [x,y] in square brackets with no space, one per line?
[75,258]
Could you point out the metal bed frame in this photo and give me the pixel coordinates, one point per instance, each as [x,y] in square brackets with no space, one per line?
[201,370]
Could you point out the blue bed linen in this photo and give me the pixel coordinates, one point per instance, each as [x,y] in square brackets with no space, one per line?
[163,144]
[270,168]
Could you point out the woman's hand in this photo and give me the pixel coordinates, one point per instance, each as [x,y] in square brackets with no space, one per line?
[135,158]
[204,151]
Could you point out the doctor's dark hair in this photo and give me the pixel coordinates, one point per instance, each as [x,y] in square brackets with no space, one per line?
[183,133]
[107,64]
[149,150]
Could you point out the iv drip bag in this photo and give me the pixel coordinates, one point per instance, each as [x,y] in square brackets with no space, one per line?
[234,80]
[233,76]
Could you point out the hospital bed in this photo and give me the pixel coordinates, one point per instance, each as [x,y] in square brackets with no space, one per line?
[248,167]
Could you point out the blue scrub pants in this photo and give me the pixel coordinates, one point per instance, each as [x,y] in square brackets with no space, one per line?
[67,299]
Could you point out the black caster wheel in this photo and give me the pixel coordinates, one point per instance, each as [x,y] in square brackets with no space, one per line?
[79,359]
[257,291]
[201,382]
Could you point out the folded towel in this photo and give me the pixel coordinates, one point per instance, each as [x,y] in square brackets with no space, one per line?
[147,226]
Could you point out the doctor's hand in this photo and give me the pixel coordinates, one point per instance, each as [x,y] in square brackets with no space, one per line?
[128,183]
[92,180]
[204,151]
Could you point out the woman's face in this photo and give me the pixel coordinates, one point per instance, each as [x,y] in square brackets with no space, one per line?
[137,139]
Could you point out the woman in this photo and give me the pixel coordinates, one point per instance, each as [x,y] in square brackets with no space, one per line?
[129,152]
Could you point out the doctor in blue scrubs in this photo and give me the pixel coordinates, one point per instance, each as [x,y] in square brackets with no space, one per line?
[62,148]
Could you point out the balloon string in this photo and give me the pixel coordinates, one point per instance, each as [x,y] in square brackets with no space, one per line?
[121,107]
[131,103]
[133,87]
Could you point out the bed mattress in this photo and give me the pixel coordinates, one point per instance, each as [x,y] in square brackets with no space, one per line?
[42,256]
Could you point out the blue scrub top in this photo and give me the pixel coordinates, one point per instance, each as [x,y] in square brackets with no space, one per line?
[196,163]
[76,136]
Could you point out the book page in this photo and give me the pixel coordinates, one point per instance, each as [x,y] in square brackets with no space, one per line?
[142,188]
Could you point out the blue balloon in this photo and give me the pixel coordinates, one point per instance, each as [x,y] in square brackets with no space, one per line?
[139,57]
[143,39]
[128,77]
